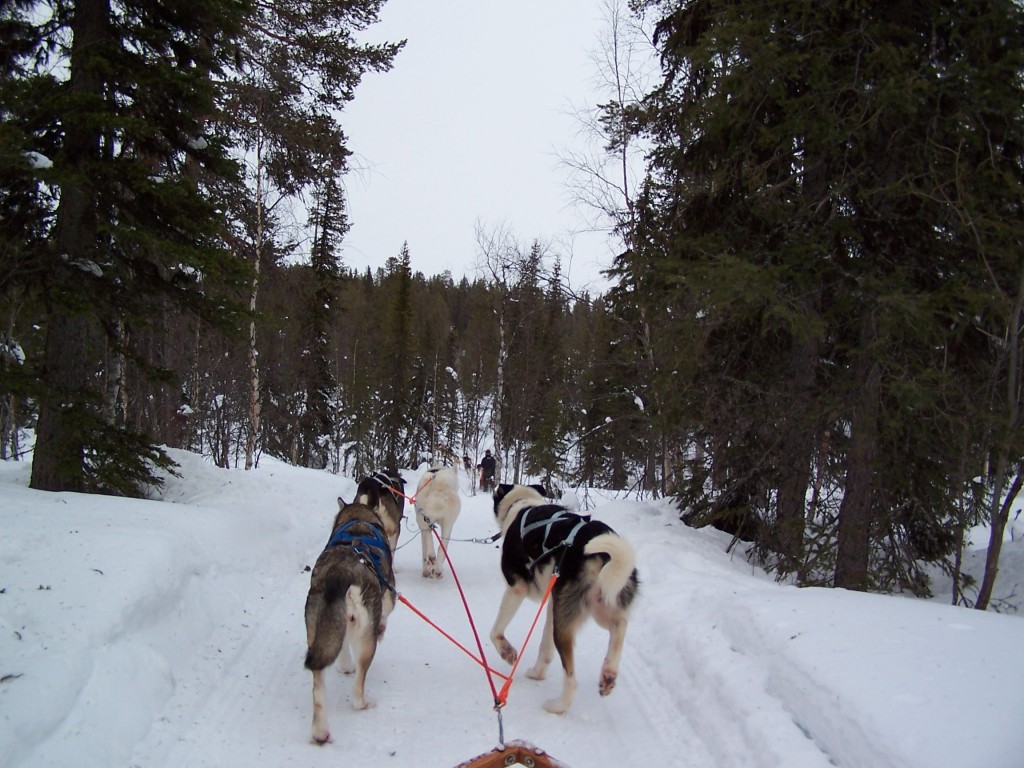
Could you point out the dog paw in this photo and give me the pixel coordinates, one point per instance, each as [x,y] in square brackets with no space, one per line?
[361,704]
[321,737]
[607,682]
[537,673]
[556,706]
[507,652]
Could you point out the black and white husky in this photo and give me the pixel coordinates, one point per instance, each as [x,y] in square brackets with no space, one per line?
[385,493]
[596,577]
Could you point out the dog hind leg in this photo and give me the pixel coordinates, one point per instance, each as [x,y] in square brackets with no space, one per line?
[547,649]
[427,543]
[345,663]
[610,668]
[446,536]
[366,648]
[364,643]
[567,620]
[387,606]
[325,633]
[321,731]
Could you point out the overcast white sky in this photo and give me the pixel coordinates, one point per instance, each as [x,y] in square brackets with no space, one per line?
[468,127]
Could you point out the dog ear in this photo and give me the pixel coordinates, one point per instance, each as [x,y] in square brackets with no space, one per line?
[341,504]
[500,492]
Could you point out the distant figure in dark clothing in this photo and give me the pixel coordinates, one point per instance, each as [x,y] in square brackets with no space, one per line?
[487,466]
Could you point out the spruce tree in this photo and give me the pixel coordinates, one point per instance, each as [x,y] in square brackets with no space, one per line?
[117,101]
[833,194]
[395,371]
[321,405]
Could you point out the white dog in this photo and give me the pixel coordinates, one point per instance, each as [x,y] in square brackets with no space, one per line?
[437,503]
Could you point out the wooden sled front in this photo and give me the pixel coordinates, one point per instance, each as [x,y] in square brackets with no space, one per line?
[515,753]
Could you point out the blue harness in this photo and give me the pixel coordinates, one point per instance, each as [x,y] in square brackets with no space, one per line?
[370,547]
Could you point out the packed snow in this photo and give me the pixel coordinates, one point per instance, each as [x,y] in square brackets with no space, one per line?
[169,633]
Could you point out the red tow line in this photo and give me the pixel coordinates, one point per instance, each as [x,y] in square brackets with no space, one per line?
[500,698]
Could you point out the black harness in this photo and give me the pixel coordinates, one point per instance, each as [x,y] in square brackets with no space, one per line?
[547,518]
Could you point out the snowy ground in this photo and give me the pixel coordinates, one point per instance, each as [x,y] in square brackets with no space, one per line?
[153,634]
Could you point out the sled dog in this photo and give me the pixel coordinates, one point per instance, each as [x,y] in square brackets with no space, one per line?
[382,492]
[596,577]
[437,503]
[351,595]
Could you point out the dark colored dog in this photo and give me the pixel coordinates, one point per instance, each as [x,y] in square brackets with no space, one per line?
[383,492]
[596,577]
[351,595]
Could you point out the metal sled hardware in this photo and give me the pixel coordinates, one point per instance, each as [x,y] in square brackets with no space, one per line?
[513,755]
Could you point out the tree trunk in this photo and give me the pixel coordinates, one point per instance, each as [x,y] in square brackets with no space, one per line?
[499,392]
[59,456]
[59,462]
[114,401]
[797,450]
[1000,511]
[252,360]
[999,517]
[854,537]
[252,353]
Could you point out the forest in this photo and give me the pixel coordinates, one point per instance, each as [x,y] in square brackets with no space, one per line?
[812,340]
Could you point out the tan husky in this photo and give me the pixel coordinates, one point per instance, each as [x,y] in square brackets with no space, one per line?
[351,595]
[437,503]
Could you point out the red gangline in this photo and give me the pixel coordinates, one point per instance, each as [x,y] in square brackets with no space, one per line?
[469,615]
[410,499]
[500,699]
[503,696]
[455,642]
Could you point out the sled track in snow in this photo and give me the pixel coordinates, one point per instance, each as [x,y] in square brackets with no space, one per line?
[654,704]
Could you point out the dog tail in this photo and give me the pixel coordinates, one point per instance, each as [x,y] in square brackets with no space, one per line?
[368,494]
[618,571]
[330,625]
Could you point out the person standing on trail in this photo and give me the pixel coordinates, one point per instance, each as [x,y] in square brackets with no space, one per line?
[487,466]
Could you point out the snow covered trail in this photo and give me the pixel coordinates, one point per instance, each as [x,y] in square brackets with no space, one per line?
[161,634]
[246,691]
[432,700]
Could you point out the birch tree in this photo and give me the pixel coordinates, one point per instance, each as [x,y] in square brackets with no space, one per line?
[299,65]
